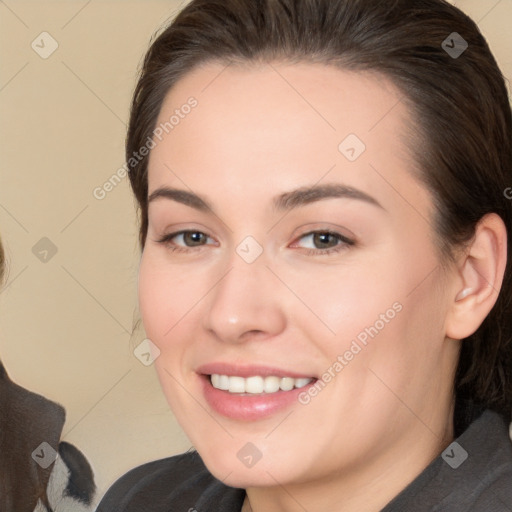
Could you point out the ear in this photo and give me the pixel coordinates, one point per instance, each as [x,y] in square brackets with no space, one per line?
[481,272]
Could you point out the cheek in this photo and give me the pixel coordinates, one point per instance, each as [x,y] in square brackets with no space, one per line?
[381,314]
[164,298]
[152,299]
[337,303]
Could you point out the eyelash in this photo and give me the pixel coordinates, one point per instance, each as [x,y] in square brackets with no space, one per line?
[345,242]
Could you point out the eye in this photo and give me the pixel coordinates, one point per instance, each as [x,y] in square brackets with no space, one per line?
[189,238]
[325,242]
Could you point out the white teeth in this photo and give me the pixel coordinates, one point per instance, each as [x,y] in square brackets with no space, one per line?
[300,383]
[256,384]
[287,383]
[236,385]
[223,382]
[271,384]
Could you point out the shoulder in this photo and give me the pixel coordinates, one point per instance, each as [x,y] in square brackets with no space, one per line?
[492,490]
[180,481]
[473,474]
[478,467]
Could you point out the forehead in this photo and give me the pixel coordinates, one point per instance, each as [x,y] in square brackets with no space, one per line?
[276,96]
[281,125]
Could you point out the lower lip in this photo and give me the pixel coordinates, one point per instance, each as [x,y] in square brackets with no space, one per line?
[249,407]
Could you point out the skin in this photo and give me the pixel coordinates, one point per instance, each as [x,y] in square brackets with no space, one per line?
[259,131]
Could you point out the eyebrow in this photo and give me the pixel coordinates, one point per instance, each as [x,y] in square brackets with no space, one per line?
[284,202]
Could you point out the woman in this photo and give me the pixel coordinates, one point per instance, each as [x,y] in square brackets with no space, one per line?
[324,274]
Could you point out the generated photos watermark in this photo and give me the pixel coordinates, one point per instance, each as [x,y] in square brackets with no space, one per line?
[356,346]
[151,142]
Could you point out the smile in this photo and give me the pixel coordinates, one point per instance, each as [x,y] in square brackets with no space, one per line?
[257,384]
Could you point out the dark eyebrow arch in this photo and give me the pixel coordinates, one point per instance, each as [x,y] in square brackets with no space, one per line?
[284,202]
[181,196]
[307,195]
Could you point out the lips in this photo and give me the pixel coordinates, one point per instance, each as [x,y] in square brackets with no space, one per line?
[249,371]
[238,402]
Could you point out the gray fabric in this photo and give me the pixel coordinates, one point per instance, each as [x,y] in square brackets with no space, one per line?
[481,483]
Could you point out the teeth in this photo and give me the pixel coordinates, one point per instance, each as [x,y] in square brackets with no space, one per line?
[223,382]
[300,383]
[286,383]
[271,384]
[236,385]
[252,384]
[256,384]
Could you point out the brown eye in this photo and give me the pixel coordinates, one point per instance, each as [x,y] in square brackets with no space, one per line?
[193,238]
[183,240]
[322,242]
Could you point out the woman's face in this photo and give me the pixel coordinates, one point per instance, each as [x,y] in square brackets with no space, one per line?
[309,255]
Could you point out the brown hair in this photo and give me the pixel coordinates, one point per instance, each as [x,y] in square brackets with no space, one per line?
[463,126]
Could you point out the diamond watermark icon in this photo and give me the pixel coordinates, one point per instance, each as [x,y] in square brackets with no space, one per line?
[146,352]
[454,455]
[249,455]
[44,455]
[249,249]
[44,250]
[454,45]
[44,45]
[352,147]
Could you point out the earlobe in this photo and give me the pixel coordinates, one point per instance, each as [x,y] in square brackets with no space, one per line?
[481,270]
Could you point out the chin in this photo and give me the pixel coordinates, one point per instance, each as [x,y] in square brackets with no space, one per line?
[229,469]
[244,477]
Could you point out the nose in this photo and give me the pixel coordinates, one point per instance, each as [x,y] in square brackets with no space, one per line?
[245,303]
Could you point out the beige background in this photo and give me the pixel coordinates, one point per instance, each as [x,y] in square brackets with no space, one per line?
[65,323]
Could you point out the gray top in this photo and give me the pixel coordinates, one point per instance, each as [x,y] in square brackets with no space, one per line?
[474,474]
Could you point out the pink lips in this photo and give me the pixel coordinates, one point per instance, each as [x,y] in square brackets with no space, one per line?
[248,371]
[247,407]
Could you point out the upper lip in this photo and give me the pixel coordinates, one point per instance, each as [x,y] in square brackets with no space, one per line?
[238,370]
